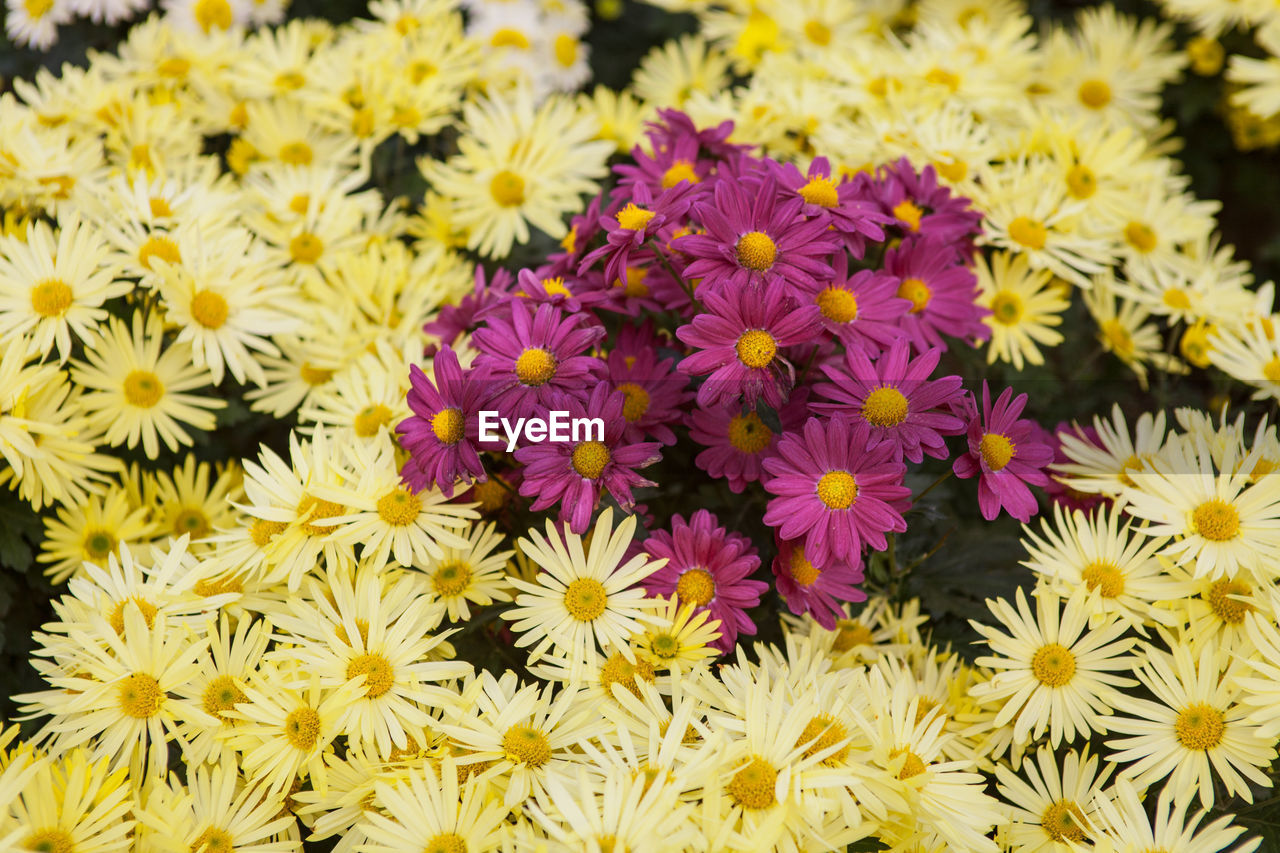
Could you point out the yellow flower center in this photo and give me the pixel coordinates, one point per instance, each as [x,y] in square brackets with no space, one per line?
[821,733]
[300,203]
[749,434]
[996,450]
[752,787]
[314,375]
[756,348]
[1230,610]
[756,251]
[509,37]
[555,286]
[116,617]
[953,170]
[296,153]
[37,9]
[820,191]
[208,587]
[212,15]
[1118,338]
[49,840]
[290,81]
[909,213]
[302,729]
[837,489]
[370,419]
[1206,55]
[447,425]
[665,646]
[306,248]
[1053,665]
[1094,94]
[585,599]
[696,586]
[817,32]
[1063,821]
[262,530]
[98,543]
[209,309]
[191,521]
[637,402]
[221,695]
[566,50]
[535,366]
[1104,576]
[1140,236]
[446,842]
[1176,298]
[159,207]
[1028,232]
[885,407]
[317,509]
[837,304]
[1081,183]
[507,188]
[399,508]
[1216,520]
[590,458]
[526,745]
[802,571]
[451,578]
[1006,308]
[51,297]
[377,671]
[1271,370]
[633,217]
[140,696]
[1199,726]
[143,389]
[214,840]
[916,292]
[912,764]
[850,634]
[159,247]
[680,170]
[618,670]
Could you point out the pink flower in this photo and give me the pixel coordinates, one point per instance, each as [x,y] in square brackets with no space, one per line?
[739,441]
[442,434]
[1005,454]
[864,310]
[922,207]
[841,204]
[813,590]
[655,391]
[942,291]
[634,224]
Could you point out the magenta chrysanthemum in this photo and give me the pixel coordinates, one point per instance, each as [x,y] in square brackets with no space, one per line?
[442,433]
[942,292]
[816,590]
[1005,454]
[655,391]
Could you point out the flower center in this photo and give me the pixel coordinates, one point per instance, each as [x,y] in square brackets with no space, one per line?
[585,599]
[1199,726]
[98,544]
[262,530]
[821,733]
[1053,665]
[399,508]
[377,671]
[1028,232]
[447,842]
[159,247]
[912,764]
[451,578]
[817,32]
[507,188]
[447,425]
[306,248]
[535,366]
[49,840]
[1230,610]
[1062,820]
[820,191]
[633,217]
[885,407]
[802,571]
[637,402]
[143,389]
[590,459]
[526,745]
[209,309]
[1176,298]
[753,785]
[1140,236]
[566,50]
[214,840]
[916,292]
[371,419]
[555,286]
[302,728]
[756,251]
[51,297]
[1094,94]
[1104,576]
[509,37]
[1119,338]
[850,634]
[837,489]
[317,509]
[116,617]
[1216,520]
[837,304]
[756,348]
[664,646]
[618,670]
[996,450]
[192,521]
[1006,308]
[209,587]
[909,213]
[1081,183]
[314,376]
[696,586]
[680,170]
[296,153]
[749,433]
[140,696]
[212,14]
[221,695]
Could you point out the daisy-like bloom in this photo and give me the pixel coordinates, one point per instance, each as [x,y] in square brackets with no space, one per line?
[533,354]
[809,589]
[1196,732]
[836,489]
[429,812]
[442,434]
[52,286]
[655,392]
[72,803]
[708,567]
[681,640]
[1125,822]
[568,294]
[755,238]
[1250,354]
[583,600]
[739,441]
[630,227]
[1260,679]
[186,504]
[221,812]
[577,473]
[1052,672]
[896,396]
[1052,807]
[473,573]
[1005,453]
[630,810]
[138,392]
[920,205]
[1104,466]
[91,532]
[1025,307]
[943,292]
[843,205]
[739,339]
[1221,521]
[863,310]
[1124,330]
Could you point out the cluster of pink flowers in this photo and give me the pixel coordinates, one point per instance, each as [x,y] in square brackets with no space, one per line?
[790,323]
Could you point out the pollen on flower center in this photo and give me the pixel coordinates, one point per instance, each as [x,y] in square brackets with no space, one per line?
[302,728]
[370,419]
[316,509]
[680,170]
[996,450]
[664,646]
[448,426]
[159,247]
[399,508]
[752,787]
[116,617]
[262,530]
[837,304]
[820,191]
[1140,236]
[209,309]
[313,375]
[209,587]
[221,695]
[555,286]
[526,745]
[214,840]
[1094,94]
[1028,232]
[306,248]
[637,402]
[1216,520]
[916,292]
[213,14]
[821,733]
[912,764]
[98,544]
[140,696]
[909,212]
[446,842]
[1006,308]
[1053,665]
[749,433]
[802,571]
[590,458]
[143,389]
[1104,576]
[535,366]
[633,217]
[51,297]
[756,348]
[1271,370]
[885,407]
[696,586]
[1063,821]
[1199,726]
[451,578]
[585,599]
[837,489]
[1230,610]
[507,188]
[297,153]
[618,670]
[849,634]
[377,671]
[756,251]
